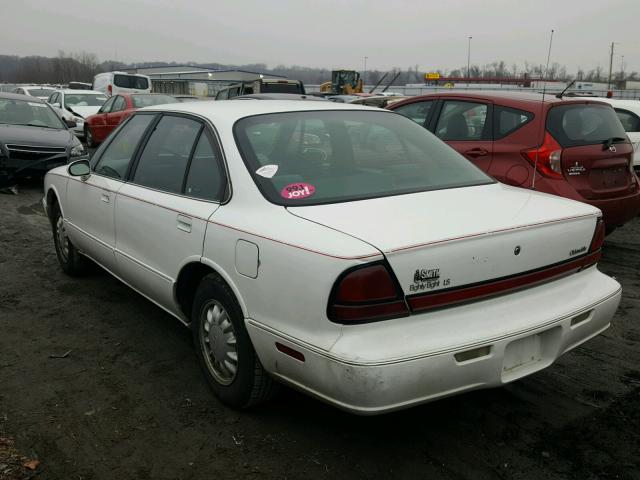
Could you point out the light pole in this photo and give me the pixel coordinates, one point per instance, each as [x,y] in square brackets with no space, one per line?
[468,59]
[622,68]
[610,65]
[364,76]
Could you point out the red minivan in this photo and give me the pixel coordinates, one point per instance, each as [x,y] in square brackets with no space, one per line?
[577,146]
[97,127]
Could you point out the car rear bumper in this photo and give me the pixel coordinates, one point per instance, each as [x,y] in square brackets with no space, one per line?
[395,364]
[618,211]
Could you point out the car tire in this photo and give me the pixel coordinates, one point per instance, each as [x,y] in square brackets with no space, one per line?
[71,261]
[224,349]
[88,137]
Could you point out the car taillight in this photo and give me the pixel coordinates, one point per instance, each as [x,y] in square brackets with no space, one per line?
[598,236]
[110,89]
[365,294]
[548,157]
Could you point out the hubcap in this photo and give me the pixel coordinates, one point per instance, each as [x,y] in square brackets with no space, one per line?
[63,242]
[218,342]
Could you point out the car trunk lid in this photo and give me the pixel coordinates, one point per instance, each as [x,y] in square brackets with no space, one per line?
[456,238]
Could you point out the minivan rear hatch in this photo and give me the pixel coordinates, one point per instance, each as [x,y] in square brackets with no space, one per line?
[596,152]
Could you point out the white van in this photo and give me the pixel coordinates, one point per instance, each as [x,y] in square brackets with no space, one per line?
[113,83]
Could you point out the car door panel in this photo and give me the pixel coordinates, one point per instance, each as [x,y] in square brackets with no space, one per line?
[90,214]
[142,217]
[152,206]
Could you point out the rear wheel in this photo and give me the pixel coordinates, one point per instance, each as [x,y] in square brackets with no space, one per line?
[71,261]
[224,348]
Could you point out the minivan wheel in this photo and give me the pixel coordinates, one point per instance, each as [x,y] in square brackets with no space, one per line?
[224,349]
[88,136]
[71,261]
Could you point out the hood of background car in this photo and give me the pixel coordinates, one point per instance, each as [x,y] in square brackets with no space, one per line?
[85,111]
[24,135]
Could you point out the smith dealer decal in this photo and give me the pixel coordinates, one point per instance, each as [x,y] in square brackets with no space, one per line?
[428,279]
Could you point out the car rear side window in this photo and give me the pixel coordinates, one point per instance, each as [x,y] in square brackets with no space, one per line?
[462,121]
[581,124]
[163,162]
[417,111]
[206,177]
[630,121]
[117,155]
[508,120]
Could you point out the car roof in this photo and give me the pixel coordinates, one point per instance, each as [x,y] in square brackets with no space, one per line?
[230,111]
[30,87]
[19,96]
[510,96]
[73,91]
[278,96]
[623,103]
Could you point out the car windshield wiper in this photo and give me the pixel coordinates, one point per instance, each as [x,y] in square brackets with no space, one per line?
[36,125]
[610,141]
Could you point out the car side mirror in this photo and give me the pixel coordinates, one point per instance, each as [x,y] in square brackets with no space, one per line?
[79,168]
[70,123]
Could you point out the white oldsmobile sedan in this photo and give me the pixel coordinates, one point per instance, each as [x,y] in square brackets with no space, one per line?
[342,250]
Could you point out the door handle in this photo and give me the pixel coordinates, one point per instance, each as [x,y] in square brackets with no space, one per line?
[477,152]
[105,197]
[184,223]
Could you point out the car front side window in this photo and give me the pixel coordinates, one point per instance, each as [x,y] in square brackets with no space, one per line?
[119,104]
[107,105]
[117,156]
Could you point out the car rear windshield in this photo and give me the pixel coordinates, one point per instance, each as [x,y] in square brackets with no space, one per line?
[576,125]
[140,101]
[131,81]
[316,157]
[84,100]
[24,112]
[285,87]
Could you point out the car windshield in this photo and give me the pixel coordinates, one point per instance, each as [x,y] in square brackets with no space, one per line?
[140,101]
[316,157]
[131,81]
[581,124]
[84,100]
[24,112]
[39,92]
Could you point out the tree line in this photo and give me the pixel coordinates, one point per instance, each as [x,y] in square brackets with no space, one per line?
[83,66]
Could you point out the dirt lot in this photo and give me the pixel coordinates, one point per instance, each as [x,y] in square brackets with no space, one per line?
[128,401]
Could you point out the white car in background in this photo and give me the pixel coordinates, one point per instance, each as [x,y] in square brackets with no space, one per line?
[40,91]
[76,105]
[629,114]
[343,250]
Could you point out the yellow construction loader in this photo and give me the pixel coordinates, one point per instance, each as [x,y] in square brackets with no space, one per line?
[343,82]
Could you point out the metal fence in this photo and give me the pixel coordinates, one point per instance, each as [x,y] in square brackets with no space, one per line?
[420,90]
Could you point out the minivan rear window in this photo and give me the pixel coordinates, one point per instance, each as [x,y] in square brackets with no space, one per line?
[575,125]
[131,81]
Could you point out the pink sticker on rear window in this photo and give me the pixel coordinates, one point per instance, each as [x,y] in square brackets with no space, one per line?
[297,191]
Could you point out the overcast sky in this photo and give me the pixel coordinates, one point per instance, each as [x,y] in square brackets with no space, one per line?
[329,33]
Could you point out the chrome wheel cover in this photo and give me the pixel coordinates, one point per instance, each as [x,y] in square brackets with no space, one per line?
[218,343]
[63,241]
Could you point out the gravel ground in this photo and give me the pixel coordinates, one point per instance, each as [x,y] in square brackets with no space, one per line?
[127,399]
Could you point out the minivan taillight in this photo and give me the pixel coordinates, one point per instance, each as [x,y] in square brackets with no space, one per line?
[366,294]
[548,157]
[110,89]
[598,236]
